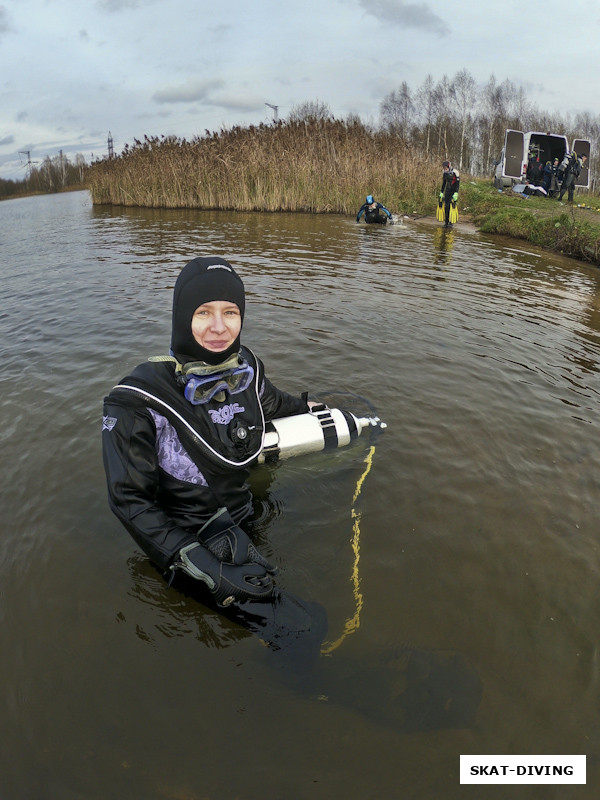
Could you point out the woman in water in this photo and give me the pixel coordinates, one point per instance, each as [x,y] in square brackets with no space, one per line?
[180,432]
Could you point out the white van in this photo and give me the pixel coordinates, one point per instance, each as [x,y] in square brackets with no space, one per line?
[519,147]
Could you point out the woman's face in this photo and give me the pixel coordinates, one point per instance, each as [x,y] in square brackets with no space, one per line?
[216,325]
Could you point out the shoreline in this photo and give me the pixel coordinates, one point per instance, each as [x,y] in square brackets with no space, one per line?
[465,225]
[567,230]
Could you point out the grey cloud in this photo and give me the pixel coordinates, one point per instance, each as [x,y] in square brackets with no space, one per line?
[120,5]
[7,140]
[189,92]
[5,25]
[238,103]
[406,15]
[220,30]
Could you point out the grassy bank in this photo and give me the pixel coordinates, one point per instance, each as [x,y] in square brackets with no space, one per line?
[326,167]
[560,227]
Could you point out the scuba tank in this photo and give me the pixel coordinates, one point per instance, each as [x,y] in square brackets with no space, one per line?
[563,165]
[321,428]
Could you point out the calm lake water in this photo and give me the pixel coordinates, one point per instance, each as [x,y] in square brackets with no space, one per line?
[474,534]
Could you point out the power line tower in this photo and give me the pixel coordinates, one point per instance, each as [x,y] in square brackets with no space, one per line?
[29,163]
[275,110]
[111,152]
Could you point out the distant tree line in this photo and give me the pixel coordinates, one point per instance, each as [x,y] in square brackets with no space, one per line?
[458,119]
[52,175]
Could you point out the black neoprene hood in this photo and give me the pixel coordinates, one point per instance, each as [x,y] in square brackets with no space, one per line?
[203,280]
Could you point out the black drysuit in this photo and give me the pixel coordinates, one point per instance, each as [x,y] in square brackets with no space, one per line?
[171,465]
[450,185]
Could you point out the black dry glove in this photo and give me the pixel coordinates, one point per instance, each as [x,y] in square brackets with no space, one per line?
[228,542]
[227,582]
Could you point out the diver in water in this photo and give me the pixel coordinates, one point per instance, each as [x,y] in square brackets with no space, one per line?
[449,192]
[372,211]
[180,432]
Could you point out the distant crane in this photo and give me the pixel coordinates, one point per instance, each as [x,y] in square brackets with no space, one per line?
[275,109]
[29,162]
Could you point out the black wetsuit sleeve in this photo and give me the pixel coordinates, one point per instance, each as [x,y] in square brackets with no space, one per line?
[276,403]
[132,473]
[361,211]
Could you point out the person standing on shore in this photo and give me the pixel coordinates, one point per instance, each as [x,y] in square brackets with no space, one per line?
[553,190]
[449,192]
[572,172]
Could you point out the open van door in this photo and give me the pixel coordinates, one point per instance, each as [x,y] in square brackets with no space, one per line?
[582,148]
[514,143]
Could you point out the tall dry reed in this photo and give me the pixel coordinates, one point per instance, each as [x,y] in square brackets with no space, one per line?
[314,166]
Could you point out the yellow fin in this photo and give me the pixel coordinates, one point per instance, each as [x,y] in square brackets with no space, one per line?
[453,212]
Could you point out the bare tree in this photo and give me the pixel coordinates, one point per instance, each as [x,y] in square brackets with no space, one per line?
[587,126]
[492,104]
[47,174]
[310,111]
[425,105]
[80,165]
[464,92]
[444,111]
[396,110]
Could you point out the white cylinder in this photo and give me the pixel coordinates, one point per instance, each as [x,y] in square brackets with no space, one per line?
[310,432]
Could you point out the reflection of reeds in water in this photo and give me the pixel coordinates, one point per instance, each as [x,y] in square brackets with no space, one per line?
[319,166]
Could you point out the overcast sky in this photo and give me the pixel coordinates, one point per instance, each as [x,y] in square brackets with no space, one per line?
[73,70]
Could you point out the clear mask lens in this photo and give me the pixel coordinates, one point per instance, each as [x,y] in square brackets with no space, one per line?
[201,389]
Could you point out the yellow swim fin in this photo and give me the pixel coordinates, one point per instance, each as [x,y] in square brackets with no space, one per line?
[453,212]
[439,212]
